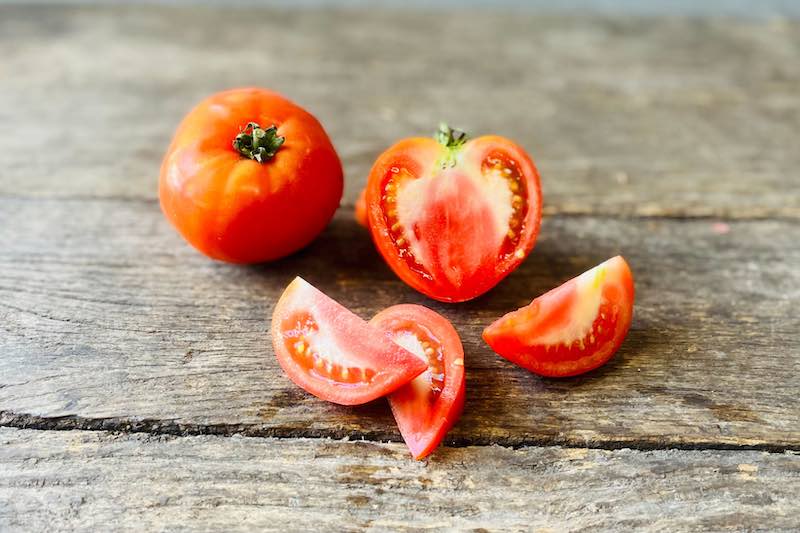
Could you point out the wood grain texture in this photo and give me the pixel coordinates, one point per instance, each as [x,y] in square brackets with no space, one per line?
[645,128]
[107,316]
[92,481]
[653,116]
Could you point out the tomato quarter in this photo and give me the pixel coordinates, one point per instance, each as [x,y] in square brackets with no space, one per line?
[249,177]
[426,408]
[571,329]
[332,353]
[451,216]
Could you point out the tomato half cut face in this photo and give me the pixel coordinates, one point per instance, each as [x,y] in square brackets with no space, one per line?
[453,217]
[332,353]
[571,329]
[426,408]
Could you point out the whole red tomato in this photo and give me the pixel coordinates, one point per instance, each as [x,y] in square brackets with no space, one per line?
[250,176]
[452,216]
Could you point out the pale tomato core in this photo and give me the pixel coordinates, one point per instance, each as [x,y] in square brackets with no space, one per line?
[311,349]
[572,314]
[572,328]
[455,219]
[420,341]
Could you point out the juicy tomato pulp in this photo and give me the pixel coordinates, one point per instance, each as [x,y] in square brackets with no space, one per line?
[454,217]
[249,177]
[332,353]
[571,329]
[426,408]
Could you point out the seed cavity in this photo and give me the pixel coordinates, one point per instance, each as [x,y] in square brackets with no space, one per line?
[397,231]
[298,332]
[507,169]
[431,348]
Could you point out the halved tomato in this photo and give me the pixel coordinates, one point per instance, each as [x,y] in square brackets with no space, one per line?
[571,329]
[333,354]
[451,216]
[426,408]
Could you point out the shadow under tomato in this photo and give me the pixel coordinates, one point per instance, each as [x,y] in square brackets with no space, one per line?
[344,263]
[551,263]
[344,248]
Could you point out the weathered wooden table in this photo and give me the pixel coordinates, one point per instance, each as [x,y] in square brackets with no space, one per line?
[138,388]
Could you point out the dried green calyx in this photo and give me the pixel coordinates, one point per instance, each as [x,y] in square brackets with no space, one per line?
[257,143]
[453,140]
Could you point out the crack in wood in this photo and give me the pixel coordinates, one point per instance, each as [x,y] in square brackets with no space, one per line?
[180,429]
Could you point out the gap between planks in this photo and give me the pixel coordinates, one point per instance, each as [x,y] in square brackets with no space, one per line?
[646,212]
[167,427]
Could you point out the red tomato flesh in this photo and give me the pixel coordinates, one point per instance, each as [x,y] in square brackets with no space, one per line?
[453,218]
[427,407]
[571,329]
[332,353]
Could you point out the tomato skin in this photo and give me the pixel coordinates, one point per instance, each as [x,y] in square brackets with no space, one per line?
[376,366]
[361,209]
[454,218]
[571,329]
[424,423]
[235,209]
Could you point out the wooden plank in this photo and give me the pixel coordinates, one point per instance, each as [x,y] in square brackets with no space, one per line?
[108,318]
[93,481]
[654,116]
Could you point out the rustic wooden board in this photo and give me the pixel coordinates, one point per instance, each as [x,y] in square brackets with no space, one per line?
[647,129]
[105,313]
[94,481]
[676,117]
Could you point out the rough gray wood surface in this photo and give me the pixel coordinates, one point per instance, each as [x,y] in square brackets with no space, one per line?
[90,481]
[672,141]
[107,314]
[624,116]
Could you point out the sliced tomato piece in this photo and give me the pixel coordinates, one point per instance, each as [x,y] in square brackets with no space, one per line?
[452,216]
[333,354]
[426,408]
[571,329]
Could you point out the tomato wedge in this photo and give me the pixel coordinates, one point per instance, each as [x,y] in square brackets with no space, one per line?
[426,408]
[451,216]
[333,354]
[571,329]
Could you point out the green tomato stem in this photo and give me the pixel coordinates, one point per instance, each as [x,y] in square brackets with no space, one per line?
[453,140]
[257,143]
